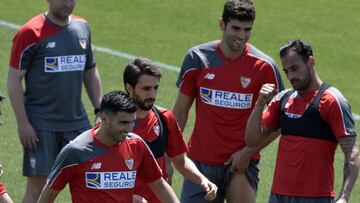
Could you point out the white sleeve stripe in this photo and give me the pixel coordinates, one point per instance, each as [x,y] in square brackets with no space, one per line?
[51,180]
[21,56]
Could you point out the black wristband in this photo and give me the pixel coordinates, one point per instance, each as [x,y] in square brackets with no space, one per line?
[96,111]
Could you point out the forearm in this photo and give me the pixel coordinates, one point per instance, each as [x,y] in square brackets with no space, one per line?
[93,86]
[351,170]
[48,195]
[163,191]
[181,117]
[187,168]
[254,133]
[16,95]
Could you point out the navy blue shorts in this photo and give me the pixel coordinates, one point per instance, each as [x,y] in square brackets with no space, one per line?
[220,176]
[39,161]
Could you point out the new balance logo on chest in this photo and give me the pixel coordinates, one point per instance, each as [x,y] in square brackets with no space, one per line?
[51,45]
[96,166]
[209,76]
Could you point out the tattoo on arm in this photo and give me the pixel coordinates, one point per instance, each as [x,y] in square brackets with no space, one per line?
[351,165]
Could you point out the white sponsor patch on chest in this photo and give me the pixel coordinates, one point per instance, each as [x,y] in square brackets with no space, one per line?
[110,180]
[64,63]
[233,100]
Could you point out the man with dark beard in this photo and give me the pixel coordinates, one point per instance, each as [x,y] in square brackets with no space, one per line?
[313,118]
[159,129]
[52,54]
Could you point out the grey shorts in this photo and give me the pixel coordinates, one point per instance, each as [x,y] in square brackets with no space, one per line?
[219,175]
[38,162]
[275,198]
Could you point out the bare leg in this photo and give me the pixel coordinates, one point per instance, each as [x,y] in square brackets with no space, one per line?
[240,190]
[34,187]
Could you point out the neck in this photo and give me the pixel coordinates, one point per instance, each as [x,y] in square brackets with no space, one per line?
[101,135]
[228,53]
[315,85]
[56,20]
[141,113]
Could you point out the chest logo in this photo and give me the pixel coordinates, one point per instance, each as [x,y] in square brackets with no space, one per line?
[96,166]
[129,163]
[245,81]
[156,129]
[225,99]
[51,45]
[83,43]
[209,76]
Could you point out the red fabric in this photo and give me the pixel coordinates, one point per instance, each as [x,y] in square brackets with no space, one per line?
[33,31]
[175,146]
[304,166]
[219,132]
[114,160]
[2,188]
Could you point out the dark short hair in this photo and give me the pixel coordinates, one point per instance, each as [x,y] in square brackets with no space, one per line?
[302,48]
[115,101]
[139,67]
[241,10]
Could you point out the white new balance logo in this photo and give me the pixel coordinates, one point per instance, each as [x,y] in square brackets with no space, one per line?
[96,166]
[209,76]
[51,45]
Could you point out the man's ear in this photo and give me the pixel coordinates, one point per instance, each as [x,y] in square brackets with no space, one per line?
[129,88]
[103,117]
[222,24]
[311,60]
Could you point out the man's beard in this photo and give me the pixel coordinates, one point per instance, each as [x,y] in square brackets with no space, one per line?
[141,104]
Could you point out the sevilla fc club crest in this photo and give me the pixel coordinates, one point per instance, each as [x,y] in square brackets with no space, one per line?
[129,163]
[245,81]
[83,43]
[156,129]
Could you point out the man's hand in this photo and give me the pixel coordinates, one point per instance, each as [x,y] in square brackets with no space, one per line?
[138,199]
[240,160]
[210,189]
[27,136]
[267,92]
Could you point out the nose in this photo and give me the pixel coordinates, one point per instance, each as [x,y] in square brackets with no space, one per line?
[241,34]
[152,93]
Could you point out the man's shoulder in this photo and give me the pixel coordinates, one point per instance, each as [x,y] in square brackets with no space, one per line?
[166,113]
[205,47]
[260,55]
[79,18]
[80,142]
[33,25]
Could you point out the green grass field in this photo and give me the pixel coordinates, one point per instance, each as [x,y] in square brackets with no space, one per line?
[164,30]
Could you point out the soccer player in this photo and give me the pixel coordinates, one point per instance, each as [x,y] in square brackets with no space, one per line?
[224,78]
[313,118]
[101,164]
[52,53]
[159,129]
[4,196]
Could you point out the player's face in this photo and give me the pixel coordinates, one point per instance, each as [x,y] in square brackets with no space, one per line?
[61,9]
[297,71]
[236,33]
[118,125]
[144,93]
